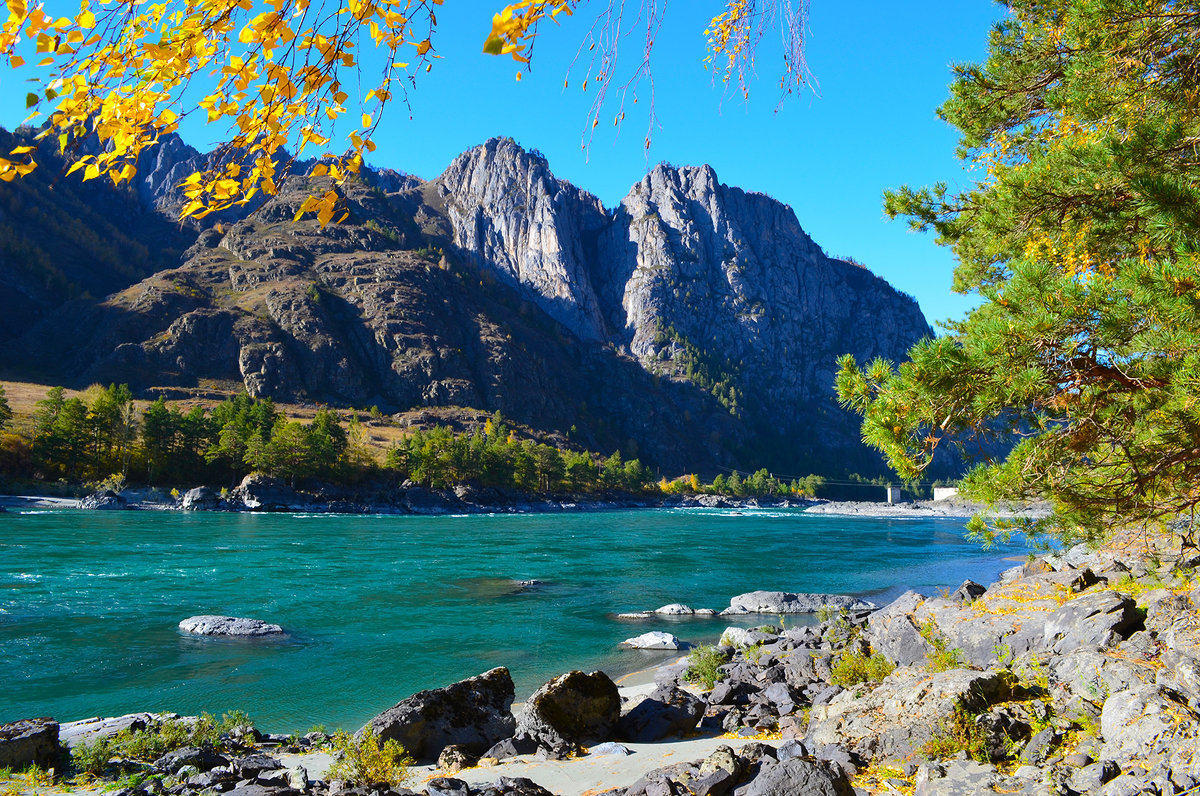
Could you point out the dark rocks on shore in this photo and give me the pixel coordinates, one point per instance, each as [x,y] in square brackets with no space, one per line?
[30,742]
[212,625]
[104,500]
[259,492]
[203,498]
[574,709]
[666,711]
[474,713]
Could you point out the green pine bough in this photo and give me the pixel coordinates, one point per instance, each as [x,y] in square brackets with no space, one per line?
[1080,239]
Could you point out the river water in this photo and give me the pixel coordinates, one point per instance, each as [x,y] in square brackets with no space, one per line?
[379,607]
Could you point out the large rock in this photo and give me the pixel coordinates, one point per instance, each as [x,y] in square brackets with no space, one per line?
[259,492]
[893,632]
[103,500]
[29,742]
[1101,619]
[202,498]
[1146,723]
[86,731]
[474,713]
[654,640]
[783,602]
[202,759]
[574,708]
[212,625]
[667,711]
[897,718]
[798,776]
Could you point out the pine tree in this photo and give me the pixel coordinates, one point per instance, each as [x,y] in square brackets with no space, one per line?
[1081,239]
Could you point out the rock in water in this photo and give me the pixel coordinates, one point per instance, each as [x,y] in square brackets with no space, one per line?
[782,602]
[210,625]
[29,742]
[654,640]
[474,713]
[575,708]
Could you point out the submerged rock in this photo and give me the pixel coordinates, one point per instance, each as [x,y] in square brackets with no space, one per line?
[212,625]
[474,713]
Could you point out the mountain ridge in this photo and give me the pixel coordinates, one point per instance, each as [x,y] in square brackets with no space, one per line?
[700,319]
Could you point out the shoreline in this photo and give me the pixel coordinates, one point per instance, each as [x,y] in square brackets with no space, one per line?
[1102,702]
[948,508]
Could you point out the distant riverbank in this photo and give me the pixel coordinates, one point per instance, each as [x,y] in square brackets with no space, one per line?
[266,495]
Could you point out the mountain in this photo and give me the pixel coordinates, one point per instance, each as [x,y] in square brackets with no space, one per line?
[695,325]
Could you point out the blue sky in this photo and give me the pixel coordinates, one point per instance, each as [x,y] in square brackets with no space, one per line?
[880,71]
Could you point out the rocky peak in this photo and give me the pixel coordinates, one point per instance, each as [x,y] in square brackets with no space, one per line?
[511,214]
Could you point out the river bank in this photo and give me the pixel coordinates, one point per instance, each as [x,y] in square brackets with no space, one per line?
[268,495]
[1076,673]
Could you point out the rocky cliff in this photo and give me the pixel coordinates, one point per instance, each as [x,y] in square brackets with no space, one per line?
[695,325]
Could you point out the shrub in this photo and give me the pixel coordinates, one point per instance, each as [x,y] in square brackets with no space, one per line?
[93,758]
[705,666]
[942,658]
[363,761]
[959,733]
[854,668]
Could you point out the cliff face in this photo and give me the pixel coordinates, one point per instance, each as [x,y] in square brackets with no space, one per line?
[695,325]
[722,286]
[513,216]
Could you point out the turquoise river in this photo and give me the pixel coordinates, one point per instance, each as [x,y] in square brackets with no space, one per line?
[379,607]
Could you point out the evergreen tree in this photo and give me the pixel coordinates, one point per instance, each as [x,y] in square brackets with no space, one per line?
[1082,239]
[5,410]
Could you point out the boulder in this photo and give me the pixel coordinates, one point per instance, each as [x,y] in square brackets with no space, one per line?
[90,730]
[575,708]
[475,713]
[892,631]
[201,759]
[1101,619]
[1147,724]
[104,500]
[202,499]
[251,766]
[29,742]
[654,640]
[968,592]
[675,609]
[957,778]
[782,602]
[259,492]
[610,748]
[454,758]
[212,625]
[667,711]
[899,716]
[798,776]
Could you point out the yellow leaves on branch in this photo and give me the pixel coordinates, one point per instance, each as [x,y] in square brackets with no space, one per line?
[126,72]
[270,71]
[514,28]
